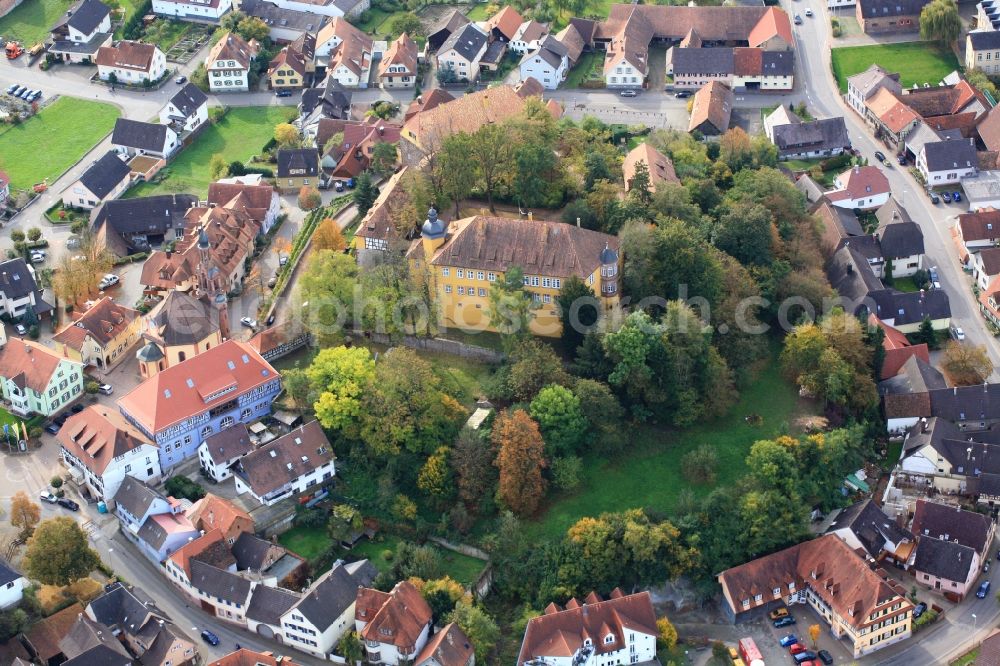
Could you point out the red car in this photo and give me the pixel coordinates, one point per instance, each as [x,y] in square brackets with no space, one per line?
[795,648]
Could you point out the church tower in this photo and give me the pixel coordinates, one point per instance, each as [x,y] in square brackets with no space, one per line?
[209,280]
[433,233]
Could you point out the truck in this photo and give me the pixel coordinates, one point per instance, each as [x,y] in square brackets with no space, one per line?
[749,653]
[13,50]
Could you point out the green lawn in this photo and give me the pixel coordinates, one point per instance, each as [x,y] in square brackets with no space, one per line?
[30,22]
[462,568]
[916,62]
[376,17]
[649,475]
[587,63]
[238,136]
[165,33]
[478,12]
[310,543]
[905,284]
[53,140]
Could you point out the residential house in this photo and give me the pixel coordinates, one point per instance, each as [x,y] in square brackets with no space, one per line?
[133,137]
[377,231]
[100,449]
[947,162]
[426,130]
[228,64]
[978,230]
[294,64]
[331,36]
[462,52]
[330,8]
[865,525]
[986,15]
[101,334]
[923,134]
[19,291]
[289,465]
[135,502]
[952,105]
[890,119]
[898,349]
[36,380]
[865,85]
[448,647]
[127,226]
[937,452]
[183,404]
[350,61]
[982,51]
[426,102]
[86,642]
[220,452]
[399,65]
[985,266]
[328,100]
[286,25]
[268,563]
[107,178]
[179,327]
[186,111]
[953,545]
[548,64]
[740,68]
[839,225]
[658,166]
[605,631]
[503,25]
[869,611]
[797,140]
[394,625]
[317,621]
[297,168]
[953,523]
[989,649]
[43,638]
[880,17]
[12,586]
[712,109]
[466,257]
[198,11]
[82,30]
[164,533]
[528,37]
[860,187]
[212,512]
[900,241]
[256,198]
[131,63]
[443,29]
[246,657]
[354,154]
[988,130]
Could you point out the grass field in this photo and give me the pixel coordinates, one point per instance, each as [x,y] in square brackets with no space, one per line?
[30,22]
[462,568]
[478,12]
[50,142]
[650,475]
[307,542]
[588,63]
[916,62]
[238,136]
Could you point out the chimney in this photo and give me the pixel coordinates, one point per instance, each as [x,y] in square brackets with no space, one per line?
[577,223]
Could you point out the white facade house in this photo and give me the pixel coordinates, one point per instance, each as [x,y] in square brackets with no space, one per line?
[18,289]
[287,466]
[100,449]
[548,64]
[187,110]
[865,188]
[947,162]
[192,10]
[12,586]
[133,137]
[219,453]
[623,75]
[462,52]
[131,63]
[837,4]
[228,64]
[394,626]
[528,37]
[135,501]
[331,8]
[107,178]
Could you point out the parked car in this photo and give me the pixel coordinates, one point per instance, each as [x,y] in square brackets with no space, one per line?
[106,389]
[778,613]
[248,322]
[809,13]
[108,280]
[67,503]
[934,198]
[283,93]
[21,330]
[209,637]
[798,20]
[957,333]
[180,80]
[803,657]
[986,567]
[46,496]
[946,197]
[38,256]
[270,319]
[919,610]
[272,281]
[784,622]
[983,590]
[956,197]
[35,95]
[282,259]
[880,156]
[825,657]
[53,428]
[61,418]
[628,93]
[932,274]
[681,94]
[77,408]
[789,640]
[901,159]
[11,88]
[796,648]
[338,185]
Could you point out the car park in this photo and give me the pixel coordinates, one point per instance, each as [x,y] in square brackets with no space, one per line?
[628,93]
[209,637]
[825,657]
[919,610]
[67,503]
[983,590]
[106,389]
[789,640]
[778,613]
[21,330]
[784,622]
[108,280]
[46,496]
[248,322]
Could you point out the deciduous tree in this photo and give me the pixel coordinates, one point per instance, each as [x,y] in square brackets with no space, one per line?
[481,629]
[217,167]
[492,153]
[407,22]
[383,158]
[435,475]
[560,419]
[520,460]
[967,364]
[350,648]
[472,461]
[309,198]
[58,552]
[666,634]
[341,376]
[328,286]
[24,514]
[327,236]
[344,521]
[579,310]
[940,21]
[286,135]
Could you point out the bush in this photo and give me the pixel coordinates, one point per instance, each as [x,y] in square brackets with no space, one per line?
[184,488]
[133,26]
[56,482]
[90,386]
[699,466]
[566,472]
[927,618]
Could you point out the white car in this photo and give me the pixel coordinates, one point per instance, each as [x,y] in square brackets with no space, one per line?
[809,13]
[248,322]
[46,496]
[21,330]
[957,332]
[109,280]
[106,389]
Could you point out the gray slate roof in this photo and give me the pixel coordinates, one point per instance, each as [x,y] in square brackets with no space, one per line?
[125,609]
[250,551]
[135,496]
[188,99]
[916,376]
[468,41]
[105,174]
[898,235]
[337,589]
[944,559]
[146,215]
[777,63]
[953,154]
[826,134]
[268,604]
[688,62]
[912,307]
[968,403]
[84,16]
[7,573]
[218,583]
[870,525]
[230,443]
[306,159]
[983,40]
[943,521]
[873,9]
[16,280]
[289,19]
[137,134]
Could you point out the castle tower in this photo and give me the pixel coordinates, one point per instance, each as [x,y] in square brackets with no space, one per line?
[209,280]
[433,233]
[609,274]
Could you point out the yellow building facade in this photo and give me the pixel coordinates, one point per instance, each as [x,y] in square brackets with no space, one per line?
[465,259]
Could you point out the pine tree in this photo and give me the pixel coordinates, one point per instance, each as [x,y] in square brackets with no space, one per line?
[365,194]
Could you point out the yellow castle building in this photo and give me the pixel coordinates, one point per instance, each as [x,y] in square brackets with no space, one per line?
[464,259]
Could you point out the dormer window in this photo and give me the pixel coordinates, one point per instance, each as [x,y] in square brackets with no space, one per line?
[609,639]
[587,642]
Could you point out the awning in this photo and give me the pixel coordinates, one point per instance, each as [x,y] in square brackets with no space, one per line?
[257,428]
[286,418]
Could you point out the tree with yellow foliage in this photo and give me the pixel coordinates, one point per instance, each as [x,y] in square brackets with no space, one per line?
[328,236]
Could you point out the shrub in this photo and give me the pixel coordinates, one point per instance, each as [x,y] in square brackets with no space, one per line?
[699,466]
[566,472]
[309,198]
[184,488]
[56,482]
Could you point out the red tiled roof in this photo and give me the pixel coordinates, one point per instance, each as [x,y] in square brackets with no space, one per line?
[103,322]
[183,555]
[245,657]
[448,647]
[661,169]
[127,55]
[397,617]
[981,225]
[988,128]
[890,111]
[98,435]
[773,23]
[181,391]
[29,364]
[713,103]
[864,181]
[507,21]
[403,51]
[212,512]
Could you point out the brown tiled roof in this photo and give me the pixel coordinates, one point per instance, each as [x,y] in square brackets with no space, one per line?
[377,222]
[285,459]
[98,435]
[942,100]
[890,111]
[29,364]
[989,651]
[213,512]
[555,108]
[714,24]
[574,42]
[104,321]
[559,633]
[286,57]
[713,103]
[427,101]
[774,23]
[990,259]
[44,635]
[981,225]
[339,28]
[465,114]
[183,556]
[507,21]
[661,169]
[862,181]
[989,129]
[834,571]
[539,247]
[354,52]
[397,617]
[748,61]
[904,405]
[255,200]
[127,55]
[354,154]
[245,657]
[529,87]
[448,647]
[232,47]
[895,359]
[403,51]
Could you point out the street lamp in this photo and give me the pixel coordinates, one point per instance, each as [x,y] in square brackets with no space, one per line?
[975,621]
